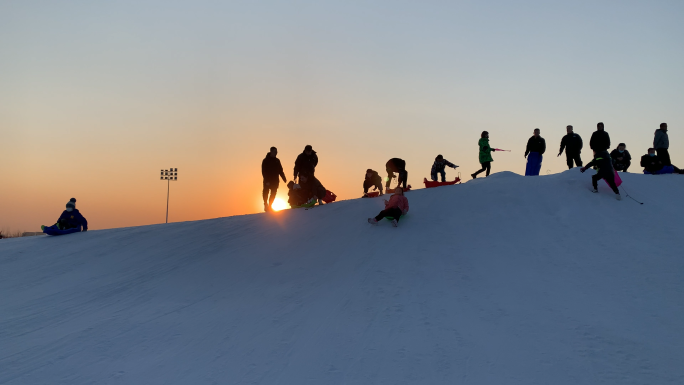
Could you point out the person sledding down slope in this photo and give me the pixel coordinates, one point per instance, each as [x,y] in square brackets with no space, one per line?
[311,188]
[485,154]
[439,168]
[604,170]
[399,166]
[71,218]
[396,207]
[373,179]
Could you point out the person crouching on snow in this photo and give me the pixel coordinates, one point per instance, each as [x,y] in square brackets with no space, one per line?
[396,207]
[604,171]
[71,218]
[438,168]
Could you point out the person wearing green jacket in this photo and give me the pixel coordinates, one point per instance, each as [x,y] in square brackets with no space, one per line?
[485,154]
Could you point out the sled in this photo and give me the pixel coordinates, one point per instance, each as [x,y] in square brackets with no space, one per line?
[52,230]
[534,162]
[392,218]
[662,171]
[391,190]
[431,184]
[372,194]
[329,197]
[618,180]
[306,205]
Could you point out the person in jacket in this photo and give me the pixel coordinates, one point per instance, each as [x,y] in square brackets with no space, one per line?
[373,179]
[661,143]
[600,140]
[295,196]
[572,144]
[71,218]
[651,163]
[621,158]
[311,188]
[399,166]
[396,207]
[271,169]
[604,170]
[306,162]
[536,146]
[439,166]
[485,155]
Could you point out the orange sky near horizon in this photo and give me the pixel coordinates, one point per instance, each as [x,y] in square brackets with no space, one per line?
[95,100]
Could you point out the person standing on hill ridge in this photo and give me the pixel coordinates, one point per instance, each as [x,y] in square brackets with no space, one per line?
[661,143]
[600,140]
[536,146]
[306,162]
[485,155]
[572,144]
[271,169]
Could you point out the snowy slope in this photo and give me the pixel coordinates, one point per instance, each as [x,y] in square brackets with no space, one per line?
[503,280]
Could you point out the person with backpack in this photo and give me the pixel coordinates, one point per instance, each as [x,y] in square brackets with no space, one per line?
[306,162]
[396,207]
[373,179]
[536,146]
[271,169]
[621,158]
[71,218]
[396,165]
[572,144]
[604,170]
[439,168]
[485,155]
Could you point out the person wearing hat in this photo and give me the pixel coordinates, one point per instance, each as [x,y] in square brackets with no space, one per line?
[621,158]
[71,218]
[485,155]
[438,168]
[373,179]
[306,162]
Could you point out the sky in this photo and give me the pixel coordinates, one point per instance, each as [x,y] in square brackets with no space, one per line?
[97,97]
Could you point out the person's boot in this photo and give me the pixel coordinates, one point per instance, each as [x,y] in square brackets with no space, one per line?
[618,197]
[267,208]
[372,221]
[594,190]
[394,223]
[473,175]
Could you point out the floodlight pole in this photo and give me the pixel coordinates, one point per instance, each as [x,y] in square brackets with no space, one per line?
[168,176]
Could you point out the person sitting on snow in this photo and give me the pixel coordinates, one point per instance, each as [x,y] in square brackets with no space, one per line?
[294,194]
[373,179]
[396,207]
[621,158]
[71,218]
[604,170]
[311,188]
[438,168]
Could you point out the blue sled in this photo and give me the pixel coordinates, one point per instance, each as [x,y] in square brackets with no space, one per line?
[534,163]
[664,170]
[52,230]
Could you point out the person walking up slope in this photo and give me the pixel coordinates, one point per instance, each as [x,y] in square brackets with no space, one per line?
[271,169]
[536,146]
[572,144]
[604,170]
[396,207]
[485,155]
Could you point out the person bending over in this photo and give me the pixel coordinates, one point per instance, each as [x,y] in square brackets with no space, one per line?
[399,166]
[604,170]
[438,168]
[373,179]
[396,207]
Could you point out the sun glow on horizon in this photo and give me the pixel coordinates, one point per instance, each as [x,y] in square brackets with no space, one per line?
[279,204]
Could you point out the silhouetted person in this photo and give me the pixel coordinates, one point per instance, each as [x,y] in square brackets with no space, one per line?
[399,166]
[661,143]
[271,169]
[572,144]
[600,140]
[71,218]
[651,162]
[621,158]
[311,188]
[306,162]
[536,146]
[485,155]
[439,168]
[604,170]
[373,179]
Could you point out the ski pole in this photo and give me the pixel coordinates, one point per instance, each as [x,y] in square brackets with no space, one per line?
[629,196]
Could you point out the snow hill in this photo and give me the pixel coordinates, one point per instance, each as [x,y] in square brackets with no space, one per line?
[503,280]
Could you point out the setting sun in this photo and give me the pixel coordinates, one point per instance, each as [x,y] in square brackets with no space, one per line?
[278,204]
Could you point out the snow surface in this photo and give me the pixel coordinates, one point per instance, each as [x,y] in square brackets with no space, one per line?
[503,280]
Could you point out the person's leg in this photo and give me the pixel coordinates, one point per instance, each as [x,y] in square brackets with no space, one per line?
[382,214]
[489,167]
[274,191]
[578,160]
[395,212]
[476,173]
[627,164]
[366,186]
[594,180]
[664,156]
[433,176]
[568,159]
[265,192]
[443,175]
[403,178]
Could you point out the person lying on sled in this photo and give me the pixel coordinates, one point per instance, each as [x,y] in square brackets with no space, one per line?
[71,218]
[439,166]
[396,207]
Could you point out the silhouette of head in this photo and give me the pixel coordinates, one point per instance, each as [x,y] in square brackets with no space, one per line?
[599,126]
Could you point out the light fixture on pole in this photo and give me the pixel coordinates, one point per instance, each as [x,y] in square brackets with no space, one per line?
[168,175]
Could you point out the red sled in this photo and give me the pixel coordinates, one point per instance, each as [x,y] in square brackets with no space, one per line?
[329,197]
[391,190]
[618,180]
[373,194]
[431,184]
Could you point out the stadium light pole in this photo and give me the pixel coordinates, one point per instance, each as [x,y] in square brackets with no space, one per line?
[168,175]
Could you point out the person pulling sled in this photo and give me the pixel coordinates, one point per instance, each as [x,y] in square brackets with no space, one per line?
[439,168]
[604,170]
[71,218]
[396,207]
